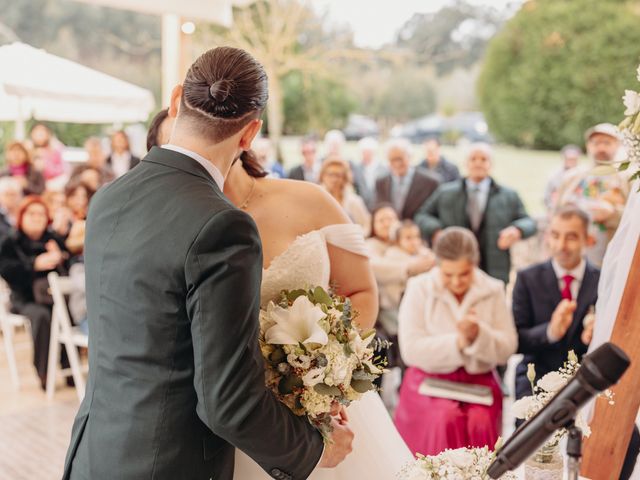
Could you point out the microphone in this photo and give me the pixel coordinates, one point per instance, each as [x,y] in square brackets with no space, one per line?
[599,370]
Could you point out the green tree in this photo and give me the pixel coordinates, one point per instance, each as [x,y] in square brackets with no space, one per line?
[559,67]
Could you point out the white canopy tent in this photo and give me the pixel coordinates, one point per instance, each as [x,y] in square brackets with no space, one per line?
[34,83]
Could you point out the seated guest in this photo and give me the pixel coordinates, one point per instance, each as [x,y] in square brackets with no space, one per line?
[493,212]
[59,213]
[96,159]
[335,177]
[551,300]
[367,172]
[26,258]
[121,159]
[408,246]
[406,187]
[21,168]
[159,129]
[10,199]
[454,325]
[437,164]
[333,143]
[78,196]
[309,169]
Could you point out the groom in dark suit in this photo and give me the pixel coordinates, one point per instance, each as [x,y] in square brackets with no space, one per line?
[552,299]
[176,379]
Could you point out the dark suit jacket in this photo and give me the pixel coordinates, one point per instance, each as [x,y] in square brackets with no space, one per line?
[447,207]
[535,296]
[445,170]
[296,173]
[176,377]
[422,186]
[132,163]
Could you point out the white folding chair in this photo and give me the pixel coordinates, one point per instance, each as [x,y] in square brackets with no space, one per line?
[8,323]
[63,333]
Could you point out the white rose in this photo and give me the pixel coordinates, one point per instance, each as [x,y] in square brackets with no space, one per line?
[522,407]
[299,361]
[631,100]
[461,457]
[582,424]
[552,382]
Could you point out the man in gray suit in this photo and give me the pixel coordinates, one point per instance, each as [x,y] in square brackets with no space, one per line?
[176,379]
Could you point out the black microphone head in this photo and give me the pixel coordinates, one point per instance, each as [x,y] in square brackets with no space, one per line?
[604,366]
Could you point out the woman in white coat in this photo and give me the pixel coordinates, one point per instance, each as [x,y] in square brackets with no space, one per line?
[454,324]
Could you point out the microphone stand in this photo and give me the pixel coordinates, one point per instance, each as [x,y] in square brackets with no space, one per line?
[574,451]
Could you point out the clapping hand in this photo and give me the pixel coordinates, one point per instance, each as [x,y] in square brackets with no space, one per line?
[50,259]
[468,329]
[562,318]
[508,237]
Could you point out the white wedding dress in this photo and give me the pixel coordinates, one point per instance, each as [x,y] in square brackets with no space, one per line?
[379,452]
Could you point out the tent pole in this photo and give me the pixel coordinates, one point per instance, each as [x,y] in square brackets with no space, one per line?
[19,133]
[171,48]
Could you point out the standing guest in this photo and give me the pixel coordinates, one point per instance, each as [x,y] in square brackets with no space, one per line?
[159,129]
[96,159]
[121,159]
[10,199]
[493,212]
[437,164]
[91,176]
[570,157]
[309,169]
[264,154]
[602,196]
[551,300]
[26,257]
[406,187]
[334,142]
[48,151]
[21,168]
[367,172]
[454,325]
[335,177]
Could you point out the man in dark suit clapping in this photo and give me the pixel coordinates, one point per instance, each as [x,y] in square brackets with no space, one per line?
[406,187]
[553,301]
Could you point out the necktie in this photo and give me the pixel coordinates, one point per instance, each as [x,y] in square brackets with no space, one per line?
[566,291]
[399,196]
[473,208]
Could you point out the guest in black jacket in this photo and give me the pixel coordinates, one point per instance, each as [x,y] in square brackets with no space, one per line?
[26,258]
[406,188]
[553,301]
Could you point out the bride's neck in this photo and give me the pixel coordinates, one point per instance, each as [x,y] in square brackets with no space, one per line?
[238,184]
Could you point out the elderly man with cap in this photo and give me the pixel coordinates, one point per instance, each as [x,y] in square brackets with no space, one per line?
[603,196]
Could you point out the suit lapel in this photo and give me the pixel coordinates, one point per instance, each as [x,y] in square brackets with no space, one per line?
[410,200]
[550,279]
[584,300]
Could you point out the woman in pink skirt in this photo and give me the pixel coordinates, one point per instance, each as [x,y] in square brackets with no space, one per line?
[454,324]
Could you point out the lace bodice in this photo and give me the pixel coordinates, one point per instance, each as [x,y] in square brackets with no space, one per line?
[305,263]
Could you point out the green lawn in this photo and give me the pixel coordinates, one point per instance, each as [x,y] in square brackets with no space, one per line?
[526,171]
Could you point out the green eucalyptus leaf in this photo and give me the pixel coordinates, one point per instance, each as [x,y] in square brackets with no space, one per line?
[362,386]
[287,384]
[324,389]
[322,297]
[277,356]
[293,295]
[623,166]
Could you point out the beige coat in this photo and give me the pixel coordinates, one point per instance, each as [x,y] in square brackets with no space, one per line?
[427,325]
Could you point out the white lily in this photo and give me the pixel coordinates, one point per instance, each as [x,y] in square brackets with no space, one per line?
[313,377]
[360,345]
[631,101]
[298,324]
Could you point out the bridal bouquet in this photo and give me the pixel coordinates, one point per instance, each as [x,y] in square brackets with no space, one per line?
[462,463]
[316,357]
[545,389]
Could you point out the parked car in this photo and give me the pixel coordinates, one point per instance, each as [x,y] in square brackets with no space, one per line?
[360,126]
[464,126]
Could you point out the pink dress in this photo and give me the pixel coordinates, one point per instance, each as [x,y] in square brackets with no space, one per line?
[430,425]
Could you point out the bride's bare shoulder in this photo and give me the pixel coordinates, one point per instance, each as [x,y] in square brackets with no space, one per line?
[307,200]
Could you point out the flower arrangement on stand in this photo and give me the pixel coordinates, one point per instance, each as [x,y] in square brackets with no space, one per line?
[462,463]
[317,359]
[547,462]
[630,129]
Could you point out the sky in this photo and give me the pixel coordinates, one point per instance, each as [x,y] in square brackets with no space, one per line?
[375,22]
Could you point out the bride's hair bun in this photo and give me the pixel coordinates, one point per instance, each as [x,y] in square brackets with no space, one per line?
[220,90]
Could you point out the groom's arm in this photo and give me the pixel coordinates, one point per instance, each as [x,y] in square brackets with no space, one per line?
[223,271]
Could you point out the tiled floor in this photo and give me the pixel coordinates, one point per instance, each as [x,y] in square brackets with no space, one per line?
[34,432]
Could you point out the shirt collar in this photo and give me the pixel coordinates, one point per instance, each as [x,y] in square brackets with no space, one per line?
[215,173]
[577,273]
[408,177]
[483,186]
